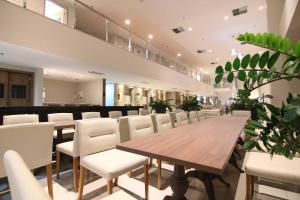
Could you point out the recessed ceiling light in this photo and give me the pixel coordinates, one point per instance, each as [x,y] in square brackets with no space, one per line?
[150,36]
[179,54]
[171,66]
[226,18]
[233,52]
[209,50]
[190,28]
[260,7]
[127,22]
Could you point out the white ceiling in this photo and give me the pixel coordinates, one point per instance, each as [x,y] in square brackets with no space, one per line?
[210,30]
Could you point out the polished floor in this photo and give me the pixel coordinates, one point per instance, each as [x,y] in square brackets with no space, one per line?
[95,187]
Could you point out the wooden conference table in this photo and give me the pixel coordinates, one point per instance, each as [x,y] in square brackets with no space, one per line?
[206,146]
[60,125]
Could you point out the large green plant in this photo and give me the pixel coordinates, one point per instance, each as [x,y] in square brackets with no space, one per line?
[190,103]
[279,131]
[160,106]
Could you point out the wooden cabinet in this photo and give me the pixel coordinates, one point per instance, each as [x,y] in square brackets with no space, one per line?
[16,88]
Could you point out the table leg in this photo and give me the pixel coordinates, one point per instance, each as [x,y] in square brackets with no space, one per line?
[179,184]
[59,136]
[233,162]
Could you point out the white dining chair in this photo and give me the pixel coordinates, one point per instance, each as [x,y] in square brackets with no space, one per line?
[33,141]
[182,119]
[70,148]
[193,118]
[145,112]
[200,115]
[132,112]
[23,185]
[211,113]
[66,132]
[90,115]
[97,141]
[114,114]
[20,119]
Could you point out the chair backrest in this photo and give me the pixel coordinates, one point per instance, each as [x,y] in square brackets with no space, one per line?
[211,113]
[145,112]
[22,183]
[90,115]
[200,115]
[32,141]
[193,117]
[53,117]
[97,135]
[176,110]
[115,114]
[20,119]
[163,122]
[140,126]
[245,113]
[182,119]
[132,112]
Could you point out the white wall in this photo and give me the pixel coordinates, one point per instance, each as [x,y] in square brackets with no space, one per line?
[38,81]
[92,91]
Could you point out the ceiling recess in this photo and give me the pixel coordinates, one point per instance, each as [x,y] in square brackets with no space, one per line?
[239,11]
[97,73]
[178,30]
[214,63]
[201,51]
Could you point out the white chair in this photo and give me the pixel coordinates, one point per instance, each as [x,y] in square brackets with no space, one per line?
[70,148]
[33,142]
[90,115]
[182,119]
[211,113]
[145,112]
[20,119]
[115,114]
[54,117]
[200,115]
[132,112]
[23,185]
[193,118]
[278,168]
[97,141]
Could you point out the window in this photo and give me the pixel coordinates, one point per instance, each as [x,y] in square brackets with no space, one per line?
[18,91]
[56,11]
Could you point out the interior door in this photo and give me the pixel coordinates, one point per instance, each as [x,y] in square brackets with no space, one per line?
[3,88]
[19,89]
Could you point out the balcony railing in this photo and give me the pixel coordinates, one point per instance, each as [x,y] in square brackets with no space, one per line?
[84,18]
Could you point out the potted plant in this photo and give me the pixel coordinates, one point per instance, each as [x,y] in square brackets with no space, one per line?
[160,106]
[190,103]
[279,131]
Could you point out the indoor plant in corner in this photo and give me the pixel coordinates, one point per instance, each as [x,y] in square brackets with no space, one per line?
[160,106]
[279,131]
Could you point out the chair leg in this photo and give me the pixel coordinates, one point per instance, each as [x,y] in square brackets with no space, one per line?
[110,187]
[158,174]
[75,173]
[249,187]
[57,163]
[116,182]
[146,177]
[150,164]
[81,182]
[49,180]
[130,174]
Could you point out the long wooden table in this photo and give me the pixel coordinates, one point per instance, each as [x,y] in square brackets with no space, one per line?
[60,125]
[206,146]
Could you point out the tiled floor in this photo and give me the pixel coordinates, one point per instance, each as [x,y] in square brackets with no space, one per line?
[95,187]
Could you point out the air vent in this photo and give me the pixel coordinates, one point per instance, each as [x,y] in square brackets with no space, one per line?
[201,51]
[239,11]
[214,63]
[179,29]
[94,72]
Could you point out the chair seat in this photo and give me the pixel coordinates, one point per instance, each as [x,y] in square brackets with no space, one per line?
[67,132]
[120,195]
[113,163]
[278,168]
[66,148]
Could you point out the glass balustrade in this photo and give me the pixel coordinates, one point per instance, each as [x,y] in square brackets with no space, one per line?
[82,17]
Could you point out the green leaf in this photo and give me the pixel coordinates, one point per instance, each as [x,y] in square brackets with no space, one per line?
[219,70]
[244,93]
[275,111]
[245,61]
[219,78]
[272,60]
[258,147]
[241,75]
[263,115]
[252,73]
[285,44]
[240,37]
[230,77]
[250,144]
[250,132]
[265,74]
[236,63]
[255,124]
[254,60]
[263,59]
[228,66]
[297,48]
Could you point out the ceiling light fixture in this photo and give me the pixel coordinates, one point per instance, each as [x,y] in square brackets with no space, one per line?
[226,18]
[190,28]
[127,22]
[179,54]
[150,36]
[209,51]
[171,66]
[260,7]
[233,52]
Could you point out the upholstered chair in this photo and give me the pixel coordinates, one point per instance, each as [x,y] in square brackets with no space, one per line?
[145,112]
[70,148]
[90,115]
[193,118]
[54,117]
[97,141]
[200,115]
[211,113]
[23,185]
[33,141]
[182,119]
[20,119]
[114,114]
[132,112]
